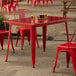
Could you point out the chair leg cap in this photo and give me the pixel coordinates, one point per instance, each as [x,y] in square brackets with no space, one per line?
[33,66]
[53,71]
[13,52]
[5,60]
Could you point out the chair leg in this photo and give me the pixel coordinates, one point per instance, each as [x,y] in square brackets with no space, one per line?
[73,54]
[51,2]
[8,43]
[14,10]
[46,2]
[56,60]
[36,39]
[8,10]
[28,36]
[67,59]
[74,63]
[12,44]
[17,38]
[38,2]
[33,2]
[22,41]
[7,50]
[2,42]
[43,2]
[27,1]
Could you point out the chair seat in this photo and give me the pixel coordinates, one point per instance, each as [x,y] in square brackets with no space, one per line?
[4,32]
[68,45]
[22,28]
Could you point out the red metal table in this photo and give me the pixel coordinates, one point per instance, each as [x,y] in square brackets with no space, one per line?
[28,22]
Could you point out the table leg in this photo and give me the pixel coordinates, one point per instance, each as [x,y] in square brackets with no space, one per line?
[67,54]
[9,36]
[32,33]
[44,37]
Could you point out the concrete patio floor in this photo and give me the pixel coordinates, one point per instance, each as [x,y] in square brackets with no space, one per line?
[19,64]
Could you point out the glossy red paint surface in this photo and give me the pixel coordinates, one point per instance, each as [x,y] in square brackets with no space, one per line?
[30,22]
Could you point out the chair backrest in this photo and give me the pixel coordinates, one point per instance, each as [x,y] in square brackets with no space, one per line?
[21,13]
[73,36]
[4,2]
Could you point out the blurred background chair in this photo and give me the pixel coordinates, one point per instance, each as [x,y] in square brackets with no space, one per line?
[15,3]
[45,2]
[50,2]
[24,30]
[34,2]
[1,4]
[8,4]
[70,49]
[28,1]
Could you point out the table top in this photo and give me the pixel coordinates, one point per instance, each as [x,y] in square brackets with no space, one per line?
[30,22]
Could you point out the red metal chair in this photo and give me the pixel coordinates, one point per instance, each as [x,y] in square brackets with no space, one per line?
[11,4]
[23,30]
[28,1]
[4,33]
[70,49]
[7,6]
